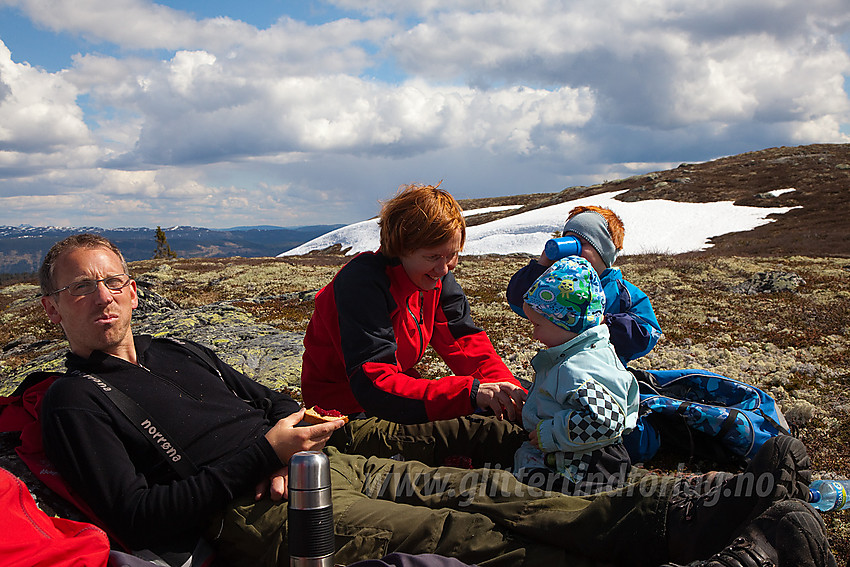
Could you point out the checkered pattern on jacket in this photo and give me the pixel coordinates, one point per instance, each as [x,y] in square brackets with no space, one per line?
[599,418]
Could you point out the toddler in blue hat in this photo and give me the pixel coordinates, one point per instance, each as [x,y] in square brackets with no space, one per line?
[583,400]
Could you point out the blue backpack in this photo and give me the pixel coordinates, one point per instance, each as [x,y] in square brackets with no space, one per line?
[702,414]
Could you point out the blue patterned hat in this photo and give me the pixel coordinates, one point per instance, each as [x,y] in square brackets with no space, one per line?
[569,294]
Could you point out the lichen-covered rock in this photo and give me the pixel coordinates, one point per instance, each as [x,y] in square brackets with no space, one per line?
[770,282]
[150,301]
[266,354]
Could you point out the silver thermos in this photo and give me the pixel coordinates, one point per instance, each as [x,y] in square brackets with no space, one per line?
[310,513]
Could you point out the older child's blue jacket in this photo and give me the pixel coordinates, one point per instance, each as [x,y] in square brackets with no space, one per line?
[582,399]
[629,315]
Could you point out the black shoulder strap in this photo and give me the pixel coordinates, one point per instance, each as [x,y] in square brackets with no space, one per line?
[776,425]
[163,442]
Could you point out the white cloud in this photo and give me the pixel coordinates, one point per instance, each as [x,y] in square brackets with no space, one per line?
[135,24]
[496,97]
[38,112]
[199,108]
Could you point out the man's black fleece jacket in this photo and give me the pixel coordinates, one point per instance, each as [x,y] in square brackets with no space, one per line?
[219,422]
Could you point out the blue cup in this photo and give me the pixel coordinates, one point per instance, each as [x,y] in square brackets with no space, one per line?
[557,248]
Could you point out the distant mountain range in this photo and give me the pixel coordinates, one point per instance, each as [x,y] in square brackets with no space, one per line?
[22,248]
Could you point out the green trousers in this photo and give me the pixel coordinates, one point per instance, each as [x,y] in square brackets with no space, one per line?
[485,440]
[480,516]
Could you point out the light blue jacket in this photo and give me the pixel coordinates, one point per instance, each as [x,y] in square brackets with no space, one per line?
[582,399]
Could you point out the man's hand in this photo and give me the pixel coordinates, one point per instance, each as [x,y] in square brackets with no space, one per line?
[286,439]
[505,399]
[276,486]
[532,438]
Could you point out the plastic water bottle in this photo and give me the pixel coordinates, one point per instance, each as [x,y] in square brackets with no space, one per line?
[557,248]
[829,495]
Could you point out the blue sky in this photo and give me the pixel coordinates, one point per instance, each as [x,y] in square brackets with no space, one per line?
[53,50]
[213,113]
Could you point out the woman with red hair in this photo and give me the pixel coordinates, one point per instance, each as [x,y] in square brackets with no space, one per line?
[372,324]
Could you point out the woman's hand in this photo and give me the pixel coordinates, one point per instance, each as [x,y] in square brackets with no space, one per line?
[505,399]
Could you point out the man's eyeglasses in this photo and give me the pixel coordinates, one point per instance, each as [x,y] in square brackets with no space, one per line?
[84,287]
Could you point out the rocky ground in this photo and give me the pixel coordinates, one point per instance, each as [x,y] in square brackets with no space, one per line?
[778,323]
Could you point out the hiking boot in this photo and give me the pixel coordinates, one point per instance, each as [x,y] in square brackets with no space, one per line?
[740,553]
[789,533]
[700,522]
[799,537]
